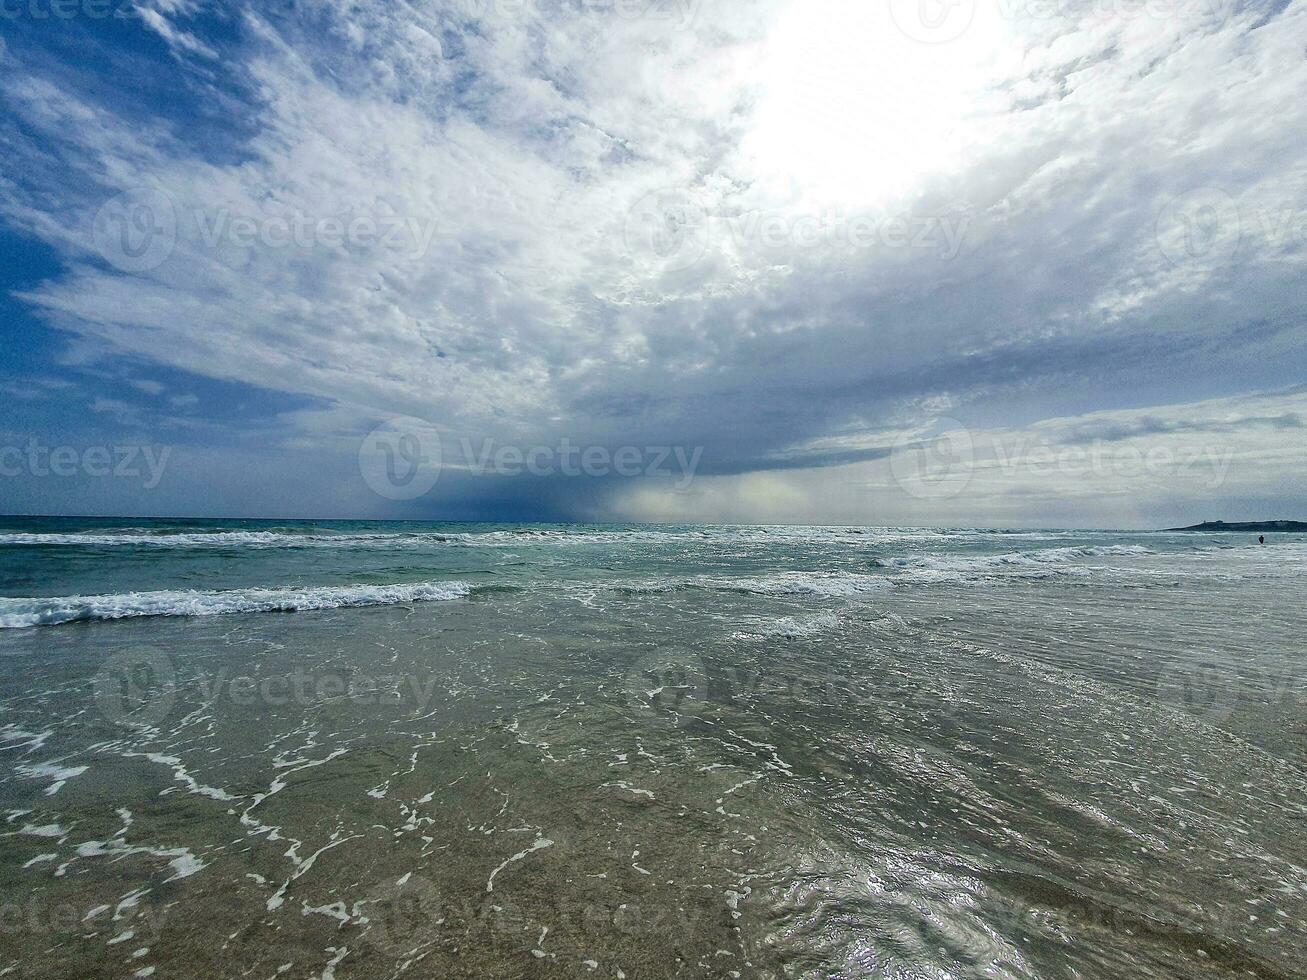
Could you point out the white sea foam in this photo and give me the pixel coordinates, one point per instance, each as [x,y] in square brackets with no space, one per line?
[906,571]
[1017,564]
[282,539]
[57,774]
[1046,556]
[515,537]
[203,539]
[255,539]
[834,585]
[789,627]
[18,613]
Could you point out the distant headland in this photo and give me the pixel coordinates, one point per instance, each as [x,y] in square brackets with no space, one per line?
[1245,526]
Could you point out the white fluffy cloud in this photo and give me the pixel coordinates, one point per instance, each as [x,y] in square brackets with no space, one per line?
[783,232]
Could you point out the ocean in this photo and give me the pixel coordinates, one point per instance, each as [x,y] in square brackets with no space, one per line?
[376,749]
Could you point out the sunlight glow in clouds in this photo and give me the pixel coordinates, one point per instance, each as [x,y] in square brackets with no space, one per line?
[853,111]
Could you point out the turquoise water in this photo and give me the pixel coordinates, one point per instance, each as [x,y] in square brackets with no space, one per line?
[62,557]
[353,749]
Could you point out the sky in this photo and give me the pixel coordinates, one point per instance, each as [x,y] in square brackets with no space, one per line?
[993,263]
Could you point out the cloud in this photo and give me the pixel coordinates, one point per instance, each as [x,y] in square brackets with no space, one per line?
[120,411]
[545,220]
[157,19]
[1154,468]
[33,389]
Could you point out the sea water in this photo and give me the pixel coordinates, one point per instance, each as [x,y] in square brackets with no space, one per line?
[364,749]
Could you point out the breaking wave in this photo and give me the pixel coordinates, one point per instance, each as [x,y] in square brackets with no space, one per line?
[1018,564]
[843,537]
[20,613]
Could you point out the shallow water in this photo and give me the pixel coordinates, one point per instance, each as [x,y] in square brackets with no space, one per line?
[625,751]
